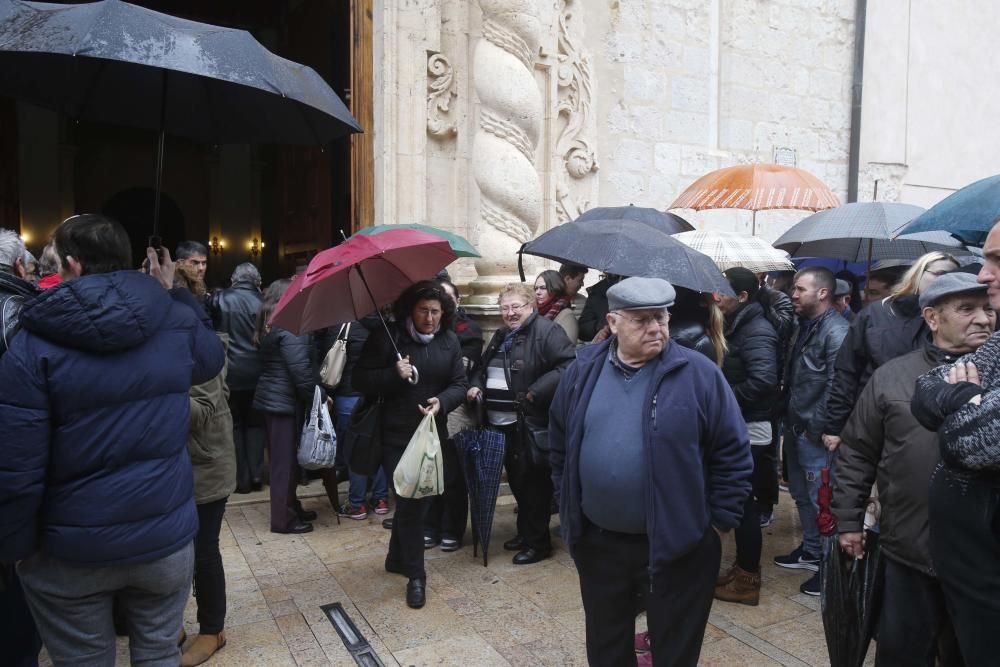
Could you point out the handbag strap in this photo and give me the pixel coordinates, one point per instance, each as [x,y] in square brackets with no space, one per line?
[345,331]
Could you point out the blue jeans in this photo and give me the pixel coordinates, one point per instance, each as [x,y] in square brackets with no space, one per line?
[343,405]
[806,459]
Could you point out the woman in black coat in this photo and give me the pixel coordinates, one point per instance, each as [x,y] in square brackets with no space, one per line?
[518,377]
[287,381]
[424,336]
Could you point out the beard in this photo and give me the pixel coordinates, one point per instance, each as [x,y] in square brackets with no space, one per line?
[189,280]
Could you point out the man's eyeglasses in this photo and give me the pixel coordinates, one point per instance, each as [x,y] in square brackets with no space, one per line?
[512,308]
[660,319]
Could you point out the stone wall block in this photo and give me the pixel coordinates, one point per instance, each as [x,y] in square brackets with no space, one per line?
[667,158]
[687,127]
[633,155]
[689,94]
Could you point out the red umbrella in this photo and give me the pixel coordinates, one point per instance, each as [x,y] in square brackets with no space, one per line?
[825,519]
[362,274]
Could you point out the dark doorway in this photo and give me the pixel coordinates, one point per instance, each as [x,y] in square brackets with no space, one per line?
[132,208]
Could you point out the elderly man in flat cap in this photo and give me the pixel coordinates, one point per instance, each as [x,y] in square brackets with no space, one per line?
[883,441]
[651,460]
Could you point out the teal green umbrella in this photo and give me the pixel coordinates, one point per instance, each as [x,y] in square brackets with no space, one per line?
[461,247]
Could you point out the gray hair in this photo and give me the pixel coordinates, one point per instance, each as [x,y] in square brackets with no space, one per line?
[48,263]
[246,273]
[27,258]
[11,247]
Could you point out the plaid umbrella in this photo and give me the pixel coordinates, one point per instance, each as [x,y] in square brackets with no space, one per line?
[729,249]
[862,232]
[481,452]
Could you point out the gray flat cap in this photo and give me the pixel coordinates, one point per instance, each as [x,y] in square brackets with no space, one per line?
[635,293]
[947,285]
[843,288]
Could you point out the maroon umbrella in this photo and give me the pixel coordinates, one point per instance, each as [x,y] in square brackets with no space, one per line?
[825,519]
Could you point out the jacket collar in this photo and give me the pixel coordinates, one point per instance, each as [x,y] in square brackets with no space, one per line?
[746,312]
[13,285]
[670,358]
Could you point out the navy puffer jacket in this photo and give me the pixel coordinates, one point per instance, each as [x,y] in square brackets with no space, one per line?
[94,468]
[289,373]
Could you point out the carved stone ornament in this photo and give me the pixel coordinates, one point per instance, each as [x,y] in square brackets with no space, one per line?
[440,75]
[575,87]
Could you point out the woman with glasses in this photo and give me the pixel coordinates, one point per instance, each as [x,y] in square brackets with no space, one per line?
[517,378]
[428,380]
[882,331]
[554,303]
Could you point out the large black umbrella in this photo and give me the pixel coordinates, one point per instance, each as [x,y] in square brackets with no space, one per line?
[850,599]
[117,63]
[668,223]
[481,452]
[630,248]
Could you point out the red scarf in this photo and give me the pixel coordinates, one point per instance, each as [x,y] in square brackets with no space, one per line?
[552,307]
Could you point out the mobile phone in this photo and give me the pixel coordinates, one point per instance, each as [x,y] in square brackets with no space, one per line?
[156,243]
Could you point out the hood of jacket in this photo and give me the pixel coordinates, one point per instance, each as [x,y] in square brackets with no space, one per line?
[99,313]
[11,284]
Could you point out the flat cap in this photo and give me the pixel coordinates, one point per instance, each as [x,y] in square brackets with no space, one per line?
[636,293]
[843,288]
[949,284]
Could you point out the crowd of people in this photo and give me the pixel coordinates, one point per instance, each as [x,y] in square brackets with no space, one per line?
[656,420]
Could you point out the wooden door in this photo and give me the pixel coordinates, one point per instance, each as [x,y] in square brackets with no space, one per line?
[362,105]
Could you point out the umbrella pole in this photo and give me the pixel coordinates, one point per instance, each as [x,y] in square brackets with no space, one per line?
[416,375]
[868,275]
[753,223]
[160,148]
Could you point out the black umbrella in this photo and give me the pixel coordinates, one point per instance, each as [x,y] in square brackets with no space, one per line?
[117,63]
[851,599]
[481,452]
[668,223]
[629,248]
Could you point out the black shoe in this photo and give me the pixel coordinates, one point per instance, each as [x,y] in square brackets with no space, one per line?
[416,593]
[257,486]
[394,567]
[387,523]
[306,515]
[448,544]
[430,542]
[529,555]
[515,544]
[811,586]
[244,489]
[297,528]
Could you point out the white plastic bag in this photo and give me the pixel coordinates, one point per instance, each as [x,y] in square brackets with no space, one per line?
[318,444]
[420,471]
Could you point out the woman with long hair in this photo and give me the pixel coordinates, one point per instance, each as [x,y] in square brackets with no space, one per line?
[697,323]
[554,303]
[882,331]
[287,381]
[428,380]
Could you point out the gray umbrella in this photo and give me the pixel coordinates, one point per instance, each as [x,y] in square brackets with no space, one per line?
[862,232]
[668,223]
[118,63]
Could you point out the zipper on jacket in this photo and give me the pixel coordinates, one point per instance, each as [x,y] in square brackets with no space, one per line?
[648,447]
[654,411]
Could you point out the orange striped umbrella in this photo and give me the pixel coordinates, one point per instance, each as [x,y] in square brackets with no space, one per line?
[758,187]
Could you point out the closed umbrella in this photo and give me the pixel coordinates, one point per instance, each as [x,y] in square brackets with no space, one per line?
[481,452]
[458,243]
[630,248]
[731,249]
[118,63]
[757,187]
[967,214]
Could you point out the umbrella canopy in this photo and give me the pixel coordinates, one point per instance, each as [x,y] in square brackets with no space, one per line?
[481,452]
[861,232]
[967,214]
[850,599]
[729,249]
[362,274]
[117,63]
[668,223]
[757,187]
[458,243]
[629,248]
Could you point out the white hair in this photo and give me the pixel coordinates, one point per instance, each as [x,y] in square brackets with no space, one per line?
[11,247]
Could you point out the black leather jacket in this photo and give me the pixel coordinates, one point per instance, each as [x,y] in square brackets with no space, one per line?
[751,364]
[234,312]
[809,375]
[13,293]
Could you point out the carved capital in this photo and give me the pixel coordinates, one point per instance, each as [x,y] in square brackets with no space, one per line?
[440,76]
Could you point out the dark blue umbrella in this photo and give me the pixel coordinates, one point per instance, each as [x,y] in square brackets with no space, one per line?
[117,63]
[967,214]
[627,247]
[481,452]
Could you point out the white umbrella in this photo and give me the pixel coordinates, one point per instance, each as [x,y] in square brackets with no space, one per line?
[729,249]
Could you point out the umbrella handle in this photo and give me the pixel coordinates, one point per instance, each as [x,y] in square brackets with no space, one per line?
[415,376]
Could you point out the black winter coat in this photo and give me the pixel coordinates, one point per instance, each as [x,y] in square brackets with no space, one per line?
[289,373]
[881,332]
[593,319]
[751,364]
[234,313]
[693,336]
[13,293]
[540,353]
[442,375]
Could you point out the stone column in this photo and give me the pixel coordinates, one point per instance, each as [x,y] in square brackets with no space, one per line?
[503,150]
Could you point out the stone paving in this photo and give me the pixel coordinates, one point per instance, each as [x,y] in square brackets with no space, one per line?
[500,615]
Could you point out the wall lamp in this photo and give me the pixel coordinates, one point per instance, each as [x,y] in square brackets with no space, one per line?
[217,245]
[255,246]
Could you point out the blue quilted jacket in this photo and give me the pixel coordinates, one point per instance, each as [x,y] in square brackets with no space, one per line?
[94,410]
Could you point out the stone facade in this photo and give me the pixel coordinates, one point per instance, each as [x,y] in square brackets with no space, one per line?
[501,118]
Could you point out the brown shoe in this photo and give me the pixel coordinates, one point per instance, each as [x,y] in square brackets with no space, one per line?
[202,648]
[727,576]
[744,588]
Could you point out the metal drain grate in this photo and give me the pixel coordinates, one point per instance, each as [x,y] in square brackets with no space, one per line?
[354,641]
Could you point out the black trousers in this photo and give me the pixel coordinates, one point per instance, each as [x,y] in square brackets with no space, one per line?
[283,433]
[765,471]
[209,576]
[748,538]
[965,548]
[406,544]
[249,438]
[914,629]
[613,571]
[448,513]
[532,488]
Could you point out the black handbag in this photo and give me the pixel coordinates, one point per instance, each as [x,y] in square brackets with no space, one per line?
[363,440]
[534,439]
